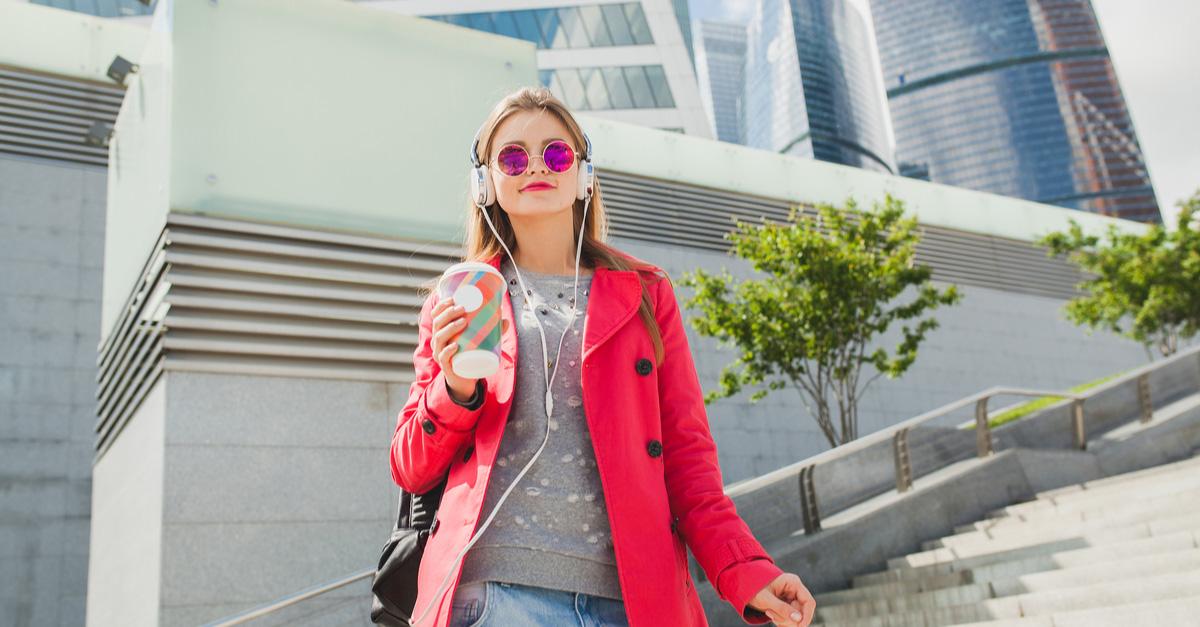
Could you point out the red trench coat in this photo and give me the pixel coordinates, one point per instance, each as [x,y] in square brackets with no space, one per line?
[630,416]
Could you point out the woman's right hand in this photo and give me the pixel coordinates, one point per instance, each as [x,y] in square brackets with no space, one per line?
[449,320]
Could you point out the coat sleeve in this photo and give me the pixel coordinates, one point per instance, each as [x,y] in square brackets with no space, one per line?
[731,558]
[431,427]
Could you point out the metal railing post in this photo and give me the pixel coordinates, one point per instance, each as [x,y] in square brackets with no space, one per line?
[808,502]
[983,430]
[1078,431]
[904,475]
[1145,403]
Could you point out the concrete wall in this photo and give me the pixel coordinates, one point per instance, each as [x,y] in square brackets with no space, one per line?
[51,250]
[991,338]
[125,571]
[270,485]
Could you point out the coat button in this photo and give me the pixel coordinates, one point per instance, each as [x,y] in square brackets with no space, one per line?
[428,426]
[654,448]
[644,366]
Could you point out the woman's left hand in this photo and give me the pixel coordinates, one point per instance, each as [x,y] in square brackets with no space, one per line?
[786,602]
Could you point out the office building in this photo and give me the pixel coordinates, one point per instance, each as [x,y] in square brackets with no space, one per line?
[812,87]
[720,57]
[1014,97]
[624,61]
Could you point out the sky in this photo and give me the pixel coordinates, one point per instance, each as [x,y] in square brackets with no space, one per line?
[1157,59]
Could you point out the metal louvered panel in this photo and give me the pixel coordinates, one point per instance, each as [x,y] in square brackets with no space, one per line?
[683,215]
[233,296]
[47,117]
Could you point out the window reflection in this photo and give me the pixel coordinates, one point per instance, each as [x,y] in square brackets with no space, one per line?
[630,87]
[617,89]
[573,27]
[100,8]
[590,26]
[639,87]
[618,26]
[658,82]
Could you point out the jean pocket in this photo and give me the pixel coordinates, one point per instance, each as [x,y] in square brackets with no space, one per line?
[468,605]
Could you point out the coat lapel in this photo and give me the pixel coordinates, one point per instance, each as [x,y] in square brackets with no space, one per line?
[613,300]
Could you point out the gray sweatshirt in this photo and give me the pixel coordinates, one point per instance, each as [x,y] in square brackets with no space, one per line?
[553,529]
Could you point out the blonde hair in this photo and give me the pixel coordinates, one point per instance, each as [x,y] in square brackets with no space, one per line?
[482,245]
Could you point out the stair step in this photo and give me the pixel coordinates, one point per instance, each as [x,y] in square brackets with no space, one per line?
[1181,506]
[1091,499]
[1181,472]
[1172,613]
[1014,563]
[1169,586]
[882,600]
[1049,543]
[1188,498]
[892,603]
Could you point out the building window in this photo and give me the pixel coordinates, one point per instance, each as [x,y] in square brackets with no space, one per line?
[591,26]
[100,8]
[632,87]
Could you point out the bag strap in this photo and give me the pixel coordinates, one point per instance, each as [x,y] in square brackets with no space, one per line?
[418,511]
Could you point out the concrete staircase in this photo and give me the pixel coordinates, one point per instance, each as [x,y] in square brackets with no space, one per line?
[1124,550]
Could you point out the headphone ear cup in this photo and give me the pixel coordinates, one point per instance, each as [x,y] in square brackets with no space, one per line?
[586,180]
[482,192]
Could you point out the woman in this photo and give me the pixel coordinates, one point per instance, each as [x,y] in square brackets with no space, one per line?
[578,471]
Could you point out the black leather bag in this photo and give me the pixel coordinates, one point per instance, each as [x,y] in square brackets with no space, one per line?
[395,583]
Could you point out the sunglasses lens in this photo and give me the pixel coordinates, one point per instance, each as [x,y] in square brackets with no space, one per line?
[512,160]
[558,156]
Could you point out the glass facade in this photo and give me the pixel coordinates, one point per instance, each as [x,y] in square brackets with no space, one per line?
[1014,97]
[601,88]
[683,17]
[810,84]
[588,26]
[100,8]
[720,56]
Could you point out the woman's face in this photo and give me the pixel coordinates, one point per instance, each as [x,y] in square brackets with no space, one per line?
[539,191]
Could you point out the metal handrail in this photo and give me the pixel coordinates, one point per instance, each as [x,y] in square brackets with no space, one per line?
[803,469]
[293,599]
[743,487]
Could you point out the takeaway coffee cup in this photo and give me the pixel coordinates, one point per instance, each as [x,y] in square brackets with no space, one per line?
[477,288]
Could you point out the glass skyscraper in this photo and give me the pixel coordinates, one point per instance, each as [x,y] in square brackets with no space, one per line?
[812,87]
[720,55]
[1015,97]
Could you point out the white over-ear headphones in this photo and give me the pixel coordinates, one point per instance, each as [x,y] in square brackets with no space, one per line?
[483,193]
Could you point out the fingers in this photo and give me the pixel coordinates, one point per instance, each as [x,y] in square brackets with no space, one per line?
[448,323]
[786,602]
[783,614]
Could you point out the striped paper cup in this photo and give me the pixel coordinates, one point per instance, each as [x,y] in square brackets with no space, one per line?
[478,288]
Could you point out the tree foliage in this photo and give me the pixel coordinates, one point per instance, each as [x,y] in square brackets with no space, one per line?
[1143,286]
[832,284]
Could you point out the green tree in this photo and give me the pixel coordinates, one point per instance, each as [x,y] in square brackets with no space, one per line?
[1143,286]
[832,284]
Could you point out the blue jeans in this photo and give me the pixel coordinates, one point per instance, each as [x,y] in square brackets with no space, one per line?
[494,604]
